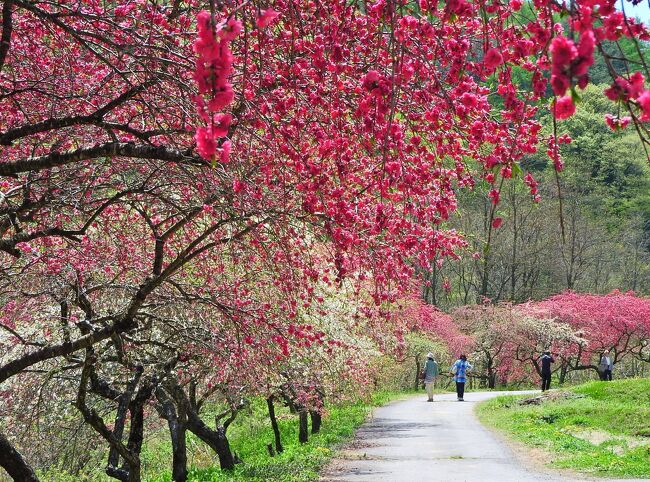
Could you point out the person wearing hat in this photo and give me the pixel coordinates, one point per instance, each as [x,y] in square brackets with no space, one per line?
[430,373]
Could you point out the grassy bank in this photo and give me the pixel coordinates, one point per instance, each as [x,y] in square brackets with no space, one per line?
[248,438]
[600,428]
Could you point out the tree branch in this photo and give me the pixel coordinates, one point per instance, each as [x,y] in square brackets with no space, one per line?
[123,149]
[7,27]
[7,138]
[62,349]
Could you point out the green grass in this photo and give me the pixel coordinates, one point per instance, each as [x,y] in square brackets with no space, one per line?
[248,437]
[604,432]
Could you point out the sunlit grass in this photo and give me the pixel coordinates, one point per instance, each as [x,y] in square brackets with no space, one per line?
[603,432]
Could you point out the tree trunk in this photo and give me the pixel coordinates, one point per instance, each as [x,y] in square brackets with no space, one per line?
[316,421]
[434,276]
[130,471]
[484,275]
[274,424]
[134,473]
[14,463]
[179,451]
[270,449]
[303,432]
[417,372]
[513,260]
[222,447]
[177,434]
[177,424]
[492,379]
[136,437]
[563,373]
[120,419]
[215,439]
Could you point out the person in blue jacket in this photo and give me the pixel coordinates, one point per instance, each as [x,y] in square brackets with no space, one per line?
[459,370]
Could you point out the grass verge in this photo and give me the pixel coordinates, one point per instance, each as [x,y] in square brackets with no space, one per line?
[248,438]
[599,428]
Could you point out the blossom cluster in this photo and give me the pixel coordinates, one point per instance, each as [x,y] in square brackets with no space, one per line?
[212,75]
[595,21]
[569,63]
[625,90]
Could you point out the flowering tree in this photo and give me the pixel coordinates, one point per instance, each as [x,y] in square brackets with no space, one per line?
[428,320]
[145,165]
[492,328]
[505,341]
[535,335]
[619,322]
[422,328]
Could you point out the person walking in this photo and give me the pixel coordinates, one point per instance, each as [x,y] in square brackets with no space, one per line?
[430,374]
[606,366]
[546,359]
[460,369]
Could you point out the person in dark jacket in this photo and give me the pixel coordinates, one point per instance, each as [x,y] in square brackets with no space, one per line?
[605,366]
[546,359]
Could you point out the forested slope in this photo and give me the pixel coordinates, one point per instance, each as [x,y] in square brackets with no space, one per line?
[589,231]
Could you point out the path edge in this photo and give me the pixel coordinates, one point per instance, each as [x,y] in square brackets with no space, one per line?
[521,453]
[324,473]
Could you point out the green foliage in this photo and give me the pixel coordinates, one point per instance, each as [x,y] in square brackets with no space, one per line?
[401,376]
[609,171]
[598,161]
[60,474]
[604,431]
[625,48]
[590,235]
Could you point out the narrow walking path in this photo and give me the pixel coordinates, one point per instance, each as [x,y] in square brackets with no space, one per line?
[413,440]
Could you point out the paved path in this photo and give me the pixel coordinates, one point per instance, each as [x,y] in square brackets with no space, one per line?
[412,440]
